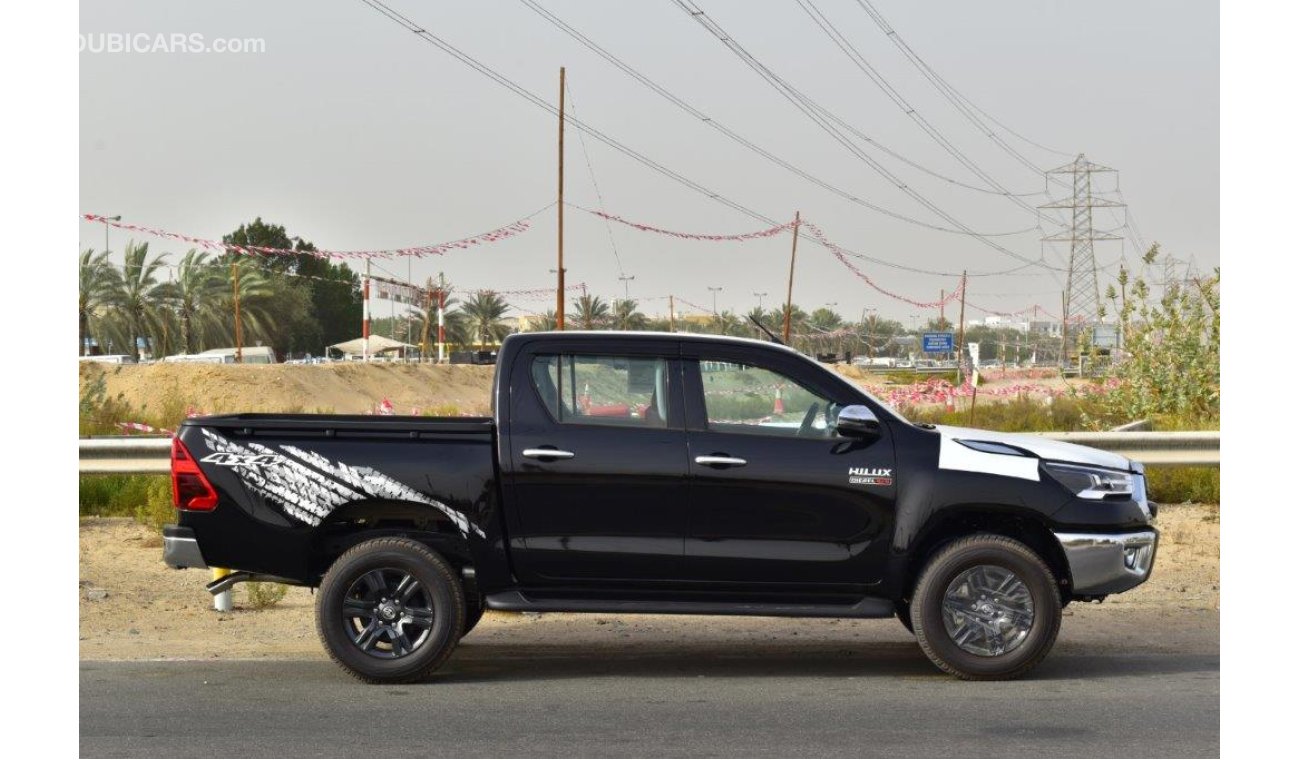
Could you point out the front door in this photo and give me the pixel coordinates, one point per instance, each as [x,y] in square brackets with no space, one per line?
[777,497]
[598,477]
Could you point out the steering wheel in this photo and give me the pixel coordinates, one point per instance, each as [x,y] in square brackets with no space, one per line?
[809,418]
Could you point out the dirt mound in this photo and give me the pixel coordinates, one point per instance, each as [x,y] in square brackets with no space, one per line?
[344,388]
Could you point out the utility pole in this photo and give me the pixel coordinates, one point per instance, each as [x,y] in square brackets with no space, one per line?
[1065,304]
[942,319]
[789,290]
[442,308]
[239,326]
[365,315]
[961,326]
[559,207]
[672,316]
[1082,293]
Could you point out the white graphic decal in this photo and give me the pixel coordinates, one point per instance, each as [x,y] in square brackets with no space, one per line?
[309,486]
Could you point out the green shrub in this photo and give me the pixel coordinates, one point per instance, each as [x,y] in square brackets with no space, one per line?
[1175,485]
[264,595]
[147,498]
[156,510]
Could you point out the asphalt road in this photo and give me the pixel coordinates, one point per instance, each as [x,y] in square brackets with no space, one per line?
[779,698]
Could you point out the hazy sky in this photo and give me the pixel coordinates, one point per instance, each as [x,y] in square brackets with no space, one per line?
[354,133]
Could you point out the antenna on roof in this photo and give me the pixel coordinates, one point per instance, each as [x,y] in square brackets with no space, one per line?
[766,331]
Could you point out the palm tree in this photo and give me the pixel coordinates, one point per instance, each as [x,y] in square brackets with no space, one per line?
[455,326]
[195,296]
[97,278]
[136,298]
[626,316]
[257,305]
[590,312]
[545,322]
[485,313]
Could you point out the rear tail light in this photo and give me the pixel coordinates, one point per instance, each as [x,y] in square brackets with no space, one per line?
[190,489]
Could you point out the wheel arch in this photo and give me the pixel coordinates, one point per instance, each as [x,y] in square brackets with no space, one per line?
[363,520]
[959,521]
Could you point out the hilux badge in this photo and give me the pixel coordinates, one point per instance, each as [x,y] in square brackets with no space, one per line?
[871,476]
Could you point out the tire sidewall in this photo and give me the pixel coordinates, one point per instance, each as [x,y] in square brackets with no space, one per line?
[426,567]
[927,608]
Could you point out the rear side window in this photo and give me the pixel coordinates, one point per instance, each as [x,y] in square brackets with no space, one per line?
[628,391]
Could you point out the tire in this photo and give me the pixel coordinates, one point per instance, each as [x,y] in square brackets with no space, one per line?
[384,596]
[1012,624]
[473,613]
[903,611]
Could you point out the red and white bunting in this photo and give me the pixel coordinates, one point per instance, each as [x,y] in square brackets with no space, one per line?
[692,235]
[436,249]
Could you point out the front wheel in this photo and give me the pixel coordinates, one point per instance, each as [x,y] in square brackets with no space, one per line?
[986,608]
[390,610]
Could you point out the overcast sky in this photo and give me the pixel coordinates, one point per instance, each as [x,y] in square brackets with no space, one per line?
[355,134]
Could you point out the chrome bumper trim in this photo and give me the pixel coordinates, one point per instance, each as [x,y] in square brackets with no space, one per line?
[181,551]
[1108,563]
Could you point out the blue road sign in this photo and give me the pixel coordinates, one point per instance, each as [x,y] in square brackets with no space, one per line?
[936,343]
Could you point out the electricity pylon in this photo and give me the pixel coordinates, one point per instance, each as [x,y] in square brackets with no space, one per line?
[1082,293]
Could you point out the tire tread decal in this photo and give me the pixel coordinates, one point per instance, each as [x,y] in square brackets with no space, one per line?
[309,486]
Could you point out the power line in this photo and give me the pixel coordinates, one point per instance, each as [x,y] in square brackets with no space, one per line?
[663,92]
[517,89]
[854,55]
[591,171]
[950,93]
[799,100]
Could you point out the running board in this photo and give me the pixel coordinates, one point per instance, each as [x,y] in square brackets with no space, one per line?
[518,601]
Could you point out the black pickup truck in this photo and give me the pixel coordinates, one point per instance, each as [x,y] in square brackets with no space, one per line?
[660,473]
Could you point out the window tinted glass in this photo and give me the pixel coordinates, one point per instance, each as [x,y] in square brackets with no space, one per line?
[603,390]
[740,398]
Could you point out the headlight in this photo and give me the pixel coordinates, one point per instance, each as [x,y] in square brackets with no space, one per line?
[1094,482]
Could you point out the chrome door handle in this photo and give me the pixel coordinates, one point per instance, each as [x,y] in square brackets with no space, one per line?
[548,454]
[721,461]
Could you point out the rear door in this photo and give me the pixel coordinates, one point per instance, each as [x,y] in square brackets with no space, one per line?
[777,497]
[597,449]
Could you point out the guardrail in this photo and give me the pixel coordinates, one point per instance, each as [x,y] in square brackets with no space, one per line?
[149,455]
[125,455]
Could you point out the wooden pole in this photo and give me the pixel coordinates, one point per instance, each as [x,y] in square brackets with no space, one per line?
[559,207]
[239,325]
[1065,354]
[961,331]
[789,290]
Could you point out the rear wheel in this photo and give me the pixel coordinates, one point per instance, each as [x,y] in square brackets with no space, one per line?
[986,608]
[390,610]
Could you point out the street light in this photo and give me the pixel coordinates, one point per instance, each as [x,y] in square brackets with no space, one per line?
[761,296]
[108,219]
[715,298]
[625,279]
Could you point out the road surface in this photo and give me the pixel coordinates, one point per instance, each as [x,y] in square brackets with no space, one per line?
[523,696]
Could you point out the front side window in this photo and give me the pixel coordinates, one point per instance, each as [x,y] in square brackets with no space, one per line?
[603,390]
[741,398]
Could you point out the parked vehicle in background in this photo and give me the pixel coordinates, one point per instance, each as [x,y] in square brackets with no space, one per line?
[660,473]
[109,359]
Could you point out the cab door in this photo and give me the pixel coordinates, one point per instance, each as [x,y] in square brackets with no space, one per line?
[597,452]
[777,497]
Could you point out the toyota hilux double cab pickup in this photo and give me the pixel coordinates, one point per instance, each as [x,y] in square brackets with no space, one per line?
[660,473]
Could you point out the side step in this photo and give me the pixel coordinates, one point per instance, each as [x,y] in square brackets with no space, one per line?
[519,601]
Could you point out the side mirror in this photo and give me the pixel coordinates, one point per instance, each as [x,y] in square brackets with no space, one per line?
[857,421]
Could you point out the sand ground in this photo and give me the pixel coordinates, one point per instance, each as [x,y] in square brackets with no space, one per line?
[132,607]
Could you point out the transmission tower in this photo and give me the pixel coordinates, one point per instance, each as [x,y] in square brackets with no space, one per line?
[1082,292]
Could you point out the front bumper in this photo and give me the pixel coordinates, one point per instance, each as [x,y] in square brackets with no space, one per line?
[1108,563]
[181,548]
